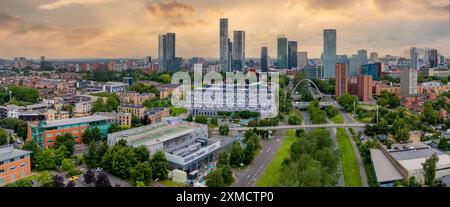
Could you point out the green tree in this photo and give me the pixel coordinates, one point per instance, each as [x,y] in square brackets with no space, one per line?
[159,165]
[294,120]
[4,138]
[430,115]
[165,78]
[34,148]
[142,154]
[119,160]
[429,169]
[215,179]
[135,122]
[227,175]
[201,119]
[443,144]
[189,118]
[67,141]
[402,135]
[348,102]
[67,164]
[96,151]
[236,155]
[224,130]
[142,172]
[99,106]
[45,159]
[223,159]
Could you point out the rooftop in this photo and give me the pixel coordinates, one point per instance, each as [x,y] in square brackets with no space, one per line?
[132,106]
[413,159]
[384,170]
[78,120]
[7,152]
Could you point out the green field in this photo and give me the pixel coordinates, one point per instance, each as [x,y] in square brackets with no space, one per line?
[366,119]
[169,183]
[338,119]
[174,111]
[349,164]
[271,175]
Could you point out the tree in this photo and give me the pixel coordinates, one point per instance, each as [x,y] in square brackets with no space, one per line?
[34,148]
[443,144]
[96,151]
[236,155]
[159,165]
[60,154]
[227,175]
[71,184]
[201,119]
[135,122]
[331,111]
[68,141]
[119,160]
[429,169]
[89,176]
[3,137]
[45,159]
[348,102]
[430,115]
[189,118]
[224,130]
[402,135]
[294,120]
[215,179]
[165,78]
[142,172]
[102,181]
[58,181]
[142,154]
[223,159]
[67,164]
[99,106]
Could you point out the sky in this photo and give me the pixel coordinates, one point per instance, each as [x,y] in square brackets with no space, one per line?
[129,28]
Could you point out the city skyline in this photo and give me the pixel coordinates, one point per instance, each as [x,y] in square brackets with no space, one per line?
[114,28]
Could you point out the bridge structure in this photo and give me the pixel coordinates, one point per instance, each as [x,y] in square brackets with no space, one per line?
[322,97]
[346,125]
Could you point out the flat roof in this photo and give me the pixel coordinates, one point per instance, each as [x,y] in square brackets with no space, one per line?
[77,120]
[160,134]
[384,169]
[415,154]
[7,152]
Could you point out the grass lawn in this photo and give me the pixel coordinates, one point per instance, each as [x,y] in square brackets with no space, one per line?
[272,173]
[349,164]
[368,107]
[174,111]
[366,120]
[170,183]
[338,119]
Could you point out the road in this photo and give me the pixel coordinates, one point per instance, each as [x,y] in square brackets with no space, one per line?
[250,175]
[329,125]
[362,169]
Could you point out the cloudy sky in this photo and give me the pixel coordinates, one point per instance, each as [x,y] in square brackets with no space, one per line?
[129,28]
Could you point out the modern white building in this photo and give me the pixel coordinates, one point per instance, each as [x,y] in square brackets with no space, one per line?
[186,145]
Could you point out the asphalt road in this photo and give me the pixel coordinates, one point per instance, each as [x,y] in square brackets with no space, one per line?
[250,175]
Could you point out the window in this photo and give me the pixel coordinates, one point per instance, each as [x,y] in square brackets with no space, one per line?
[75,131]
[2,181]
[22,157]
[49,135]
[49,140]
[23,174]
[58,134]
[23,164]
[12,178]
[2,171]
[13,167]
[11,160]
[2,162]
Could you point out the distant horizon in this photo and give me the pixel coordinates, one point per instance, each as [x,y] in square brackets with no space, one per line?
[95,31]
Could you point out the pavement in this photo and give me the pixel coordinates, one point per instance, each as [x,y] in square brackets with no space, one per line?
[249,176]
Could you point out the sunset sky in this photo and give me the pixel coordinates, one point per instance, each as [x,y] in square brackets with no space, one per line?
[129,28]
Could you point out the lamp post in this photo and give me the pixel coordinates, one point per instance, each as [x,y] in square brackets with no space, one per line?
[377,113]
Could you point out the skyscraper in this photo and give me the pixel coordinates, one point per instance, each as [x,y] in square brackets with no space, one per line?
[224,43]
[282,52]
[414,58]
[408,82]
[238,50]
[433,58]
[166,53]
[329,52]
[162,60]
[356,61]
[292,54]
[264,59]
[341,79]
[302,59]
[374,57]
